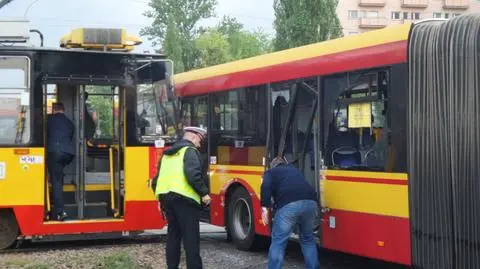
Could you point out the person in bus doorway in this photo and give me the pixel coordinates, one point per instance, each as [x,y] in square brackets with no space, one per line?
[61,152]
[90,118]
[180,188]
[295,203]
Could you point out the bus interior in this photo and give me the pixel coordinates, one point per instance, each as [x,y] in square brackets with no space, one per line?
[93,182]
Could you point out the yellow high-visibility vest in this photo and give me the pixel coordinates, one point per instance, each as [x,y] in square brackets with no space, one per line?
[171,177]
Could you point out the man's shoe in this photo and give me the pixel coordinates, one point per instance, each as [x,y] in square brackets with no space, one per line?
[62,216]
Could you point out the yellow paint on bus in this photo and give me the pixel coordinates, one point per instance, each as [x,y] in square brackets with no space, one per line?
[22,182]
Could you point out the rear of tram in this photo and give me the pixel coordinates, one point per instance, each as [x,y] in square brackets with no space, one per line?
[121,104]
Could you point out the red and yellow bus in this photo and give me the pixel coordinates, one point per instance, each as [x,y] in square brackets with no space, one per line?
[381,123]
[105,187]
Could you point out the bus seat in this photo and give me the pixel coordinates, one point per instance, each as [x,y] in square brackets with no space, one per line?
[346,157]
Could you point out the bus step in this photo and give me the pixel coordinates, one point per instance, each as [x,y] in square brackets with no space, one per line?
[90,196]
[92,210]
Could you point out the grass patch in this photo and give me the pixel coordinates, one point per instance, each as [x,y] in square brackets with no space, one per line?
[16,262]
[120,260]
[38,266]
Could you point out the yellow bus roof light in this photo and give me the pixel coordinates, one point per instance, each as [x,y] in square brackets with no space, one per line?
[100,39]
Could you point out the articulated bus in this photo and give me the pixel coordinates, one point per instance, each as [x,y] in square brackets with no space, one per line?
[384,124]
[128,97]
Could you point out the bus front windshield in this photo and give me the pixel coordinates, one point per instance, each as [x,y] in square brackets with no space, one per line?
[156,112]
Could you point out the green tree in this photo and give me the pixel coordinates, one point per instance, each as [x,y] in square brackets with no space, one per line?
[302,22]
[175,23]
[213,48]
[173,46]
[243,43]
[103,106]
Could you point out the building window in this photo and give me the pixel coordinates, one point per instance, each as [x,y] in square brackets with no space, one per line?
[396,15]
[352,14]
[405,15]
[372,14]
[415,15]
[447,15]
[456,14]
[437,15]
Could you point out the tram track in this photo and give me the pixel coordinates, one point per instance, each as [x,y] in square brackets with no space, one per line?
[28,246]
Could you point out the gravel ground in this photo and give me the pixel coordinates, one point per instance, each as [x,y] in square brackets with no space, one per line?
[215,250]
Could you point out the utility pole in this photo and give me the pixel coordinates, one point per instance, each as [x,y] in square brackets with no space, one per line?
[4,3]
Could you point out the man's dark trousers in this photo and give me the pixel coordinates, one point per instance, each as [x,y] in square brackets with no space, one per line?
[183,218]
[56,164]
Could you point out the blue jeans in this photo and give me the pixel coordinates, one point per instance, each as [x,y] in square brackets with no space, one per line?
[303,214]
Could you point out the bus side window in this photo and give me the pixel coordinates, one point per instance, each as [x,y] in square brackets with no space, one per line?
[238,134]
[15,118]
[195,112]
[356,122]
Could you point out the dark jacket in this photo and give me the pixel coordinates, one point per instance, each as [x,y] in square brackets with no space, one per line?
[89,123]
[285,184]
[192,167]
[60,131]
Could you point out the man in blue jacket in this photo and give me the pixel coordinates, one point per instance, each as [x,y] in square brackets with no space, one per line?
[61,151]
[295,203]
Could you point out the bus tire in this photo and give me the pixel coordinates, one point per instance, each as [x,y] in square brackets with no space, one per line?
[241,223]
[9,230]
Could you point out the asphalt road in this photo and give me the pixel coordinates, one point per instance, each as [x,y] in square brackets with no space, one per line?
[218,253]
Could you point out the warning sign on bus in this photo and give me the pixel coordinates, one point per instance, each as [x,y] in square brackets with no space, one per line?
[359,115]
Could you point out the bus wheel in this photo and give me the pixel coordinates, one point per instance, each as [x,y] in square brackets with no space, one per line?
[241,221]
[8,229]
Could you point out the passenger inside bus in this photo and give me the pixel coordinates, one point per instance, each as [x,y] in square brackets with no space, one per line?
[61,150]
[142,122]
[90,119]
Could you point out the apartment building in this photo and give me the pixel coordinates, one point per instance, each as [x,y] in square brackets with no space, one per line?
[357,16]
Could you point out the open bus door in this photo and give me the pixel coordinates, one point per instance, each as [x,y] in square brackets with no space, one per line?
[294,124]
[93,183]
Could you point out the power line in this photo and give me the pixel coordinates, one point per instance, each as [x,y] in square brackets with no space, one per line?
[28,8]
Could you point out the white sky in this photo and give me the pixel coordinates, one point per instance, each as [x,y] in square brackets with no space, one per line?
[55,18]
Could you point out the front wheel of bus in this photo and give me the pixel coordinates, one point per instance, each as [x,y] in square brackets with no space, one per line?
[241,221]
[8,229]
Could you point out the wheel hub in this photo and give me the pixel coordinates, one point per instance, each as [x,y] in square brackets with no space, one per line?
[242,216]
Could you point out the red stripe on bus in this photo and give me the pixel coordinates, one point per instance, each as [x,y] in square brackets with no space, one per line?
[139,216]
[363,58]
[369,180]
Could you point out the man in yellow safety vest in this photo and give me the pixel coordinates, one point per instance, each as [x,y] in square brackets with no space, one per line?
[180,188]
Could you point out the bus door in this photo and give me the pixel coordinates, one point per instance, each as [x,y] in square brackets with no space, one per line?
[102,187]
[294,135]
[93,182]
[294,123]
